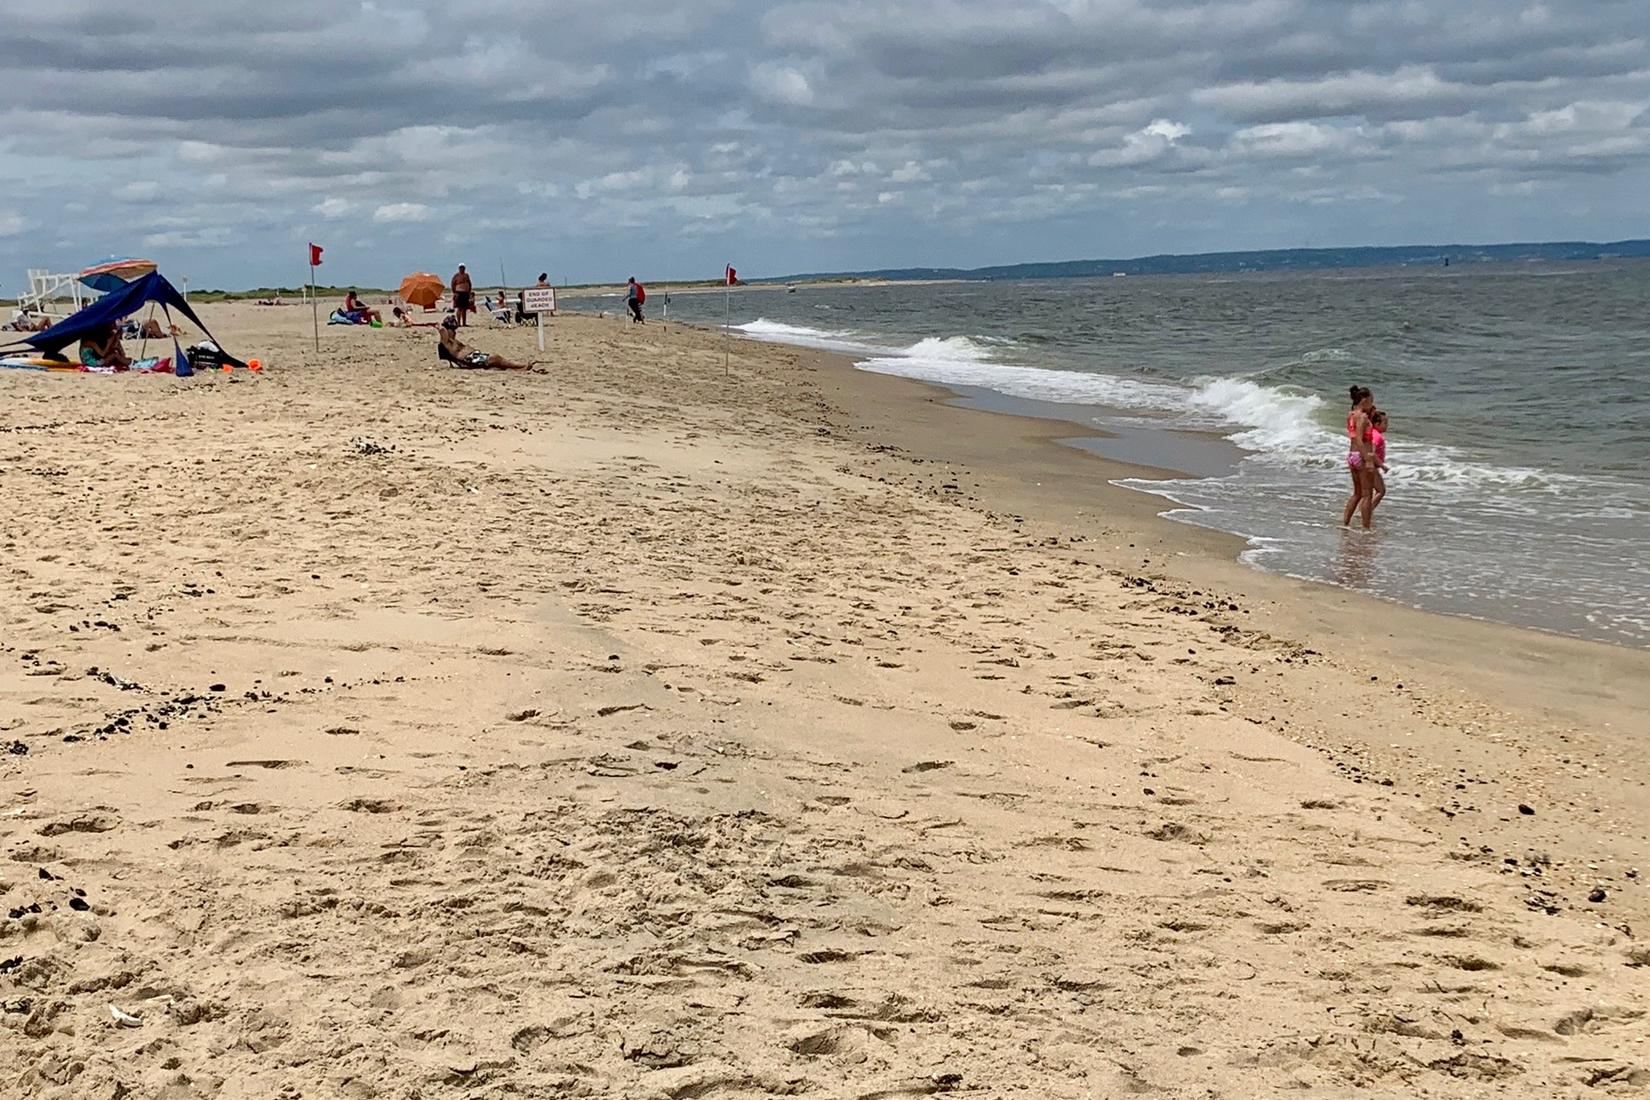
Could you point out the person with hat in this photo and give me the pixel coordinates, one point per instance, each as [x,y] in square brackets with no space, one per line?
[464,295]
[465,357]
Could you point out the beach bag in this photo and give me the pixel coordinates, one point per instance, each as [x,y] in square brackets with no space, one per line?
[205,356]
[641,294]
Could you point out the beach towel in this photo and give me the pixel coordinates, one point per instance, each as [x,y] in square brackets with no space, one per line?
[152,365]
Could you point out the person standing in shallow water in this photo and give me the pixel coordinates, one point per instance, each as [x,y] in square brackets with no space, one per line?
[1360,458]
[1377,471]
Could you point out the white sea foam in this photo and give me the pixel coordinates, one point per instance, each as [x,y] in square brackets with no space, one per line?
[776,332]
[1268,418]
[962,361]
[1280,425]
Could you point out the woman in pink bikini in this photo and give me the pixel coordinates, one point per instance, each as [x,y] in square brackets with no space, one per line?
[1360,457]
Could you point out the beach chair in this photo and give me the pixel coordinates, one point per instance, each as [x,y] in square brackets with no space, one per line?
[46,287]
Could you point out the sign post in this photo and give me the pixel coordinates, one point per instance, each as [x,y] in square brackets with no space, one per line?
[730,279]
[540,300]
[314,308]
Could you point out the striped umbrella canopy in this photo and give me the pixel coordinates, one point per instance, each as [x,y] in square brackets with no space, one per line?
[113,273]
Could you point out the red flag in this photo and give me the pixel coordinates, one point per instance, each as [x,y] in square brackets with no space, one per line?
[314,255]
[733,276]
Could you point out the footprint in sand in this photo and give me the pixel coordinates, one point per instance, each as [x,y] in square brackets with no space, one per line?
[370,805]
[846,1043]
[1356,885]
[80,823]
[1443,902]
[829,955]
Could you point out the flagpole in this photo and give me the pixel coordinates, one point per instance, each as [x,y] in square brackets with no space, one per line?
[727,315]
[314,308]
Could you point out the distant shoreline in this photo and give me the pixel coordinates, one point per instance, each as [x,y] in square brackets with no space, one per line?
[1254,262]
[716,287]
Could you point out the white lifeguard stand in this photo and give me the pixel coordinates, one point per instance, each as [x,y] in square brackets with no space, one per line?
[47,288]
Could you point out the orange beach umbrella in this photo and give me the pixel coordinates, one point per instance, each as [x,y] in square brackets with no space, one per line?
[422,289]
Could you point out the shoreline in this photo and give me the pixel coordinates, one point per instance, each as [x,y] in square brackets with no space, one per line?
[1160,454]
[1415,637]
[647,726]
[1535,527]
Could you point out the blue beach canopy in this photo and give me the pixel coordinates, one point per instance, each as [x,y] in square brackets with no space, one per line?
[117,306]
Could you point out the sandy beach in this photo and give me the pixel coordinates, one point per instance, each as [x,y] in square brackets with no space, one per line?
[642,728]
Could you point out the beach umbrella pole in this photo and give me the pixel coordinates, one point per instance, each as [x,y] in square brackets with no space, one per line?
[144,345]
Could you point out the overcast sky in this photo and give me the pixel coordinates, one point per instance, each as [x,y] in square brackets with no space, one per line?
[596,140]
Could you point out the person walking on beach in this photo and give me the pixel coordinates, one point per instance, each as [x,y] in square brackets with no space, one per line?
[635,295]
[1360,457]
[1377,445]
[464,295]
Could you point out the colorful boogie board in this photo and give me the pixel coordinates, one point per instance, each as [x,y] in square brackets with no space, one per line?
[59,366]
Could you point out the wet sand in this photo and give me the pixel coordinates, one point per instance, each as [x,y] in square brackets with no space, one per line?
[636,729]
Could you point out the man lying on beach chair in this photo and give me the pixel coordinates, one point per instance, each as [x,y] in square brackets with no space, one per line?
[467,358]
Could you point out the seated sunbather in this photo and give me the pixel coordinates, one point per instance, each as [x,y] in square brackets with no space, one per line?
[463,356]
[103,349]
[23,321]
[357,312]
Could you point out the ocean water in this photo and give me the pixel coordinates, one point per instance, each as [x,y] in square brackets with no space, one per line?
[1519,446]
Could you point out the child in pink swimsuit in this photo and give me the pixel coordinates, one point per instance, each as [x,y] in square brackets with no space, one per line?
[1377,441]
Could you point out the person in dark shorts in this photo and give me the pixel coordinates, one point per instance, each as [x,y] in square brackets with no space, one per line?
[465,357]
[464,295]
[635,295]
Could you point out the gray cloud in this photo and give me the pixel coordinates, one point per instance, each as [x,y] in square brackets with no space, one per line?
[598,138]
